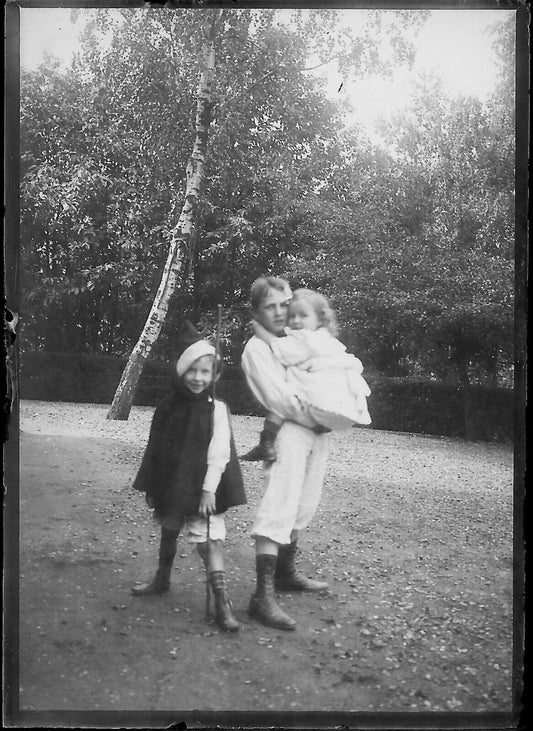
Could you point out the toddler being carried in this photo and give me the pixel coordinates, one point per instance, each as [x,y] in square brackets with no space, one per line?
[327,378]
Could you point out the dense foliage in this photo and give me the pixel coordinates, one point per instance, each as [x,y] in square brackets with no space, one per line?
[413,243]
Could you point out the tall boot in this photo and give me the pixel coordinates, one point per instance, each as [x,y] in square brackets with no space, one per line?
[263,605]
[161,581]
[223,607]
[287,578]
[265,450]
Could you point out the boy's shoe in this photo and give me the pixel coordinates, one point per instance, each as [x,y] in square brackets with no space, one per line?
[161,581]
[263,605]
[299,582]
[223,607]
[158,585]
[260,453]
[288,578]
[264,451]
[267,611]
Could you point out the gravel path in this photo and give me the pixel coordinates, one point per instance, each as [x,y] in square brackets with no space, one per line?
[414,536]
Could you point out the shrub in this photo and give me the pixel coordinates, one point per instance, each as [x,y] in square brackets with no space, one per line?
[396,404]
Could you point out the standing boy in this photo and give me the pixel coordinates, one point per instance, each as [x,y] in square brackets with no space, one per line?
[294,480]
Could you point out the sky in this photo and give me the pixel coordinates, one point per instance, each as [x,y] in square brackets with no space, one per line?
[453,44]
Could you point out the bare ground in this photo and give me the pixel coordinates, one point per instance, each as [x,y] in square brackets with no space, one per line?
[414,536]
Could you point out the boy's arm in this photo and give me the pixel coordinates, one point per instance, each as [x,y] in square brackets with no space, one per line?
[266,379]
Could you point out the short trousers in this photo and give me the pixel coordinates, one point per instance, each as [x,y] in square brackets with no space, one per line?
[197,527]
[294,483]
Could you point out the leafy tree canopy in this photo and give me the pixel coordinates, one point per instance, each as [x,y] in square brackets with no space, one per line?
[413,244]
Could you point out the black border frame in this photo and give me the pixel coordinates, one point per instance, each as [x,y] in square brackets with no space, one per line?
[13,716]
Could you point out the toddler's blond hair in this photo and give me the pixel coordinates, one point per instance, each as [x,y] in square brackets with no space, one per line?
[321,306]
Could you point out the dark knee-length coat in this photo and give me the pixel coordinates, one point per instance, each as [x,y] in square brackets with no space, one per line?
[174,464]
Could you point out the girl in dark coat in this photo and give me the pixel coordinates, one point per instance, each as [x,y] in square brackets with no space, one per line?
[190,473]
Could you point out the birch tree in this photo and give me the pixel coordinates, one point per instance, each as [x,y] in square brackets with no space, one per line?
[124,126]
[183,234]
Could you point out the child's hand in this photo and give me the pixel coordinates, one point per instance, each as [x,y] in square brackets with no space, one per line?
[257,328]
[261,332]
[207,504]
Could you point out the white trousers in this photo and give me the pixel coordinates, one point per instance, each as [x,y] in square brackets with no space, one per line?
[293,483]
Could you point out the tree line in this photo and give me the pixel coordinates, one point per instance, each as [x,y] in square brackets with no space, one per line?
[411,241]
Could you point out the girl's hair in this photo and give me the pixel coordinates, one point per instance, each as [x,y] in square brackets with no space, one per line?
[321,306]
[262,286]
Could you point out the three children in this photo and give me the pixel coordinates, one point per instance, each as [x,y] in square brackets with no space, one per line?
[190,474]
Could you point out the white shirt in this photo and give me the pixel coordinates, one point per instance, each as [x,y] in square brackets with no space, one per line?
[218,452]
[267,380]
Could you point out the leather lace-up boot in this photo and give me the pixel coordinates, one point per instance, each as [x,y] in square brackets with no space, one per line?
[264,451]
[263,605]
[288,578]
[161,581]
[223,607]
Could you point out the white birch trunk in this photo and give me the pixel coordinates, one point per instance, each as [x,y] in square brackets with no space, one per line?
[181,238]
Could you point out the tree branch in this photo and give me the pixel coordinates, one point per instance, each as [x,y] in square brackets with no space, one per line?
[248,88]
[322,63]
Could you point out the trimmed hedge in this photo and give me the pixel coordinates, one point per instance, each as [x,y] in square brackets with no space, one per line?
[431,407]
[83,377]
[426,407]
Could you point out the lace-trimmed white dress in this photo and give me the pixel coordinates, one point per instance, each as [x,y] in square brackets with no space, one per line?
[326,376]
